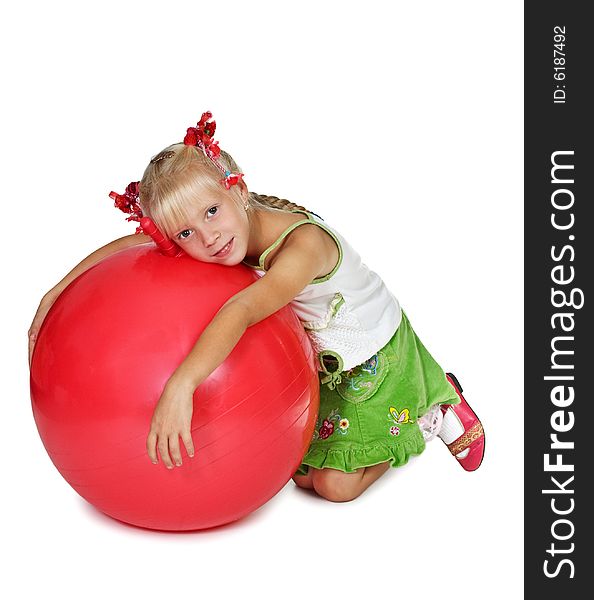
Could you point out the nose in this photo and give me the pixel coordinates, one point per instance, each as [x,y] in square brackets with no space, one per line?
[210,238]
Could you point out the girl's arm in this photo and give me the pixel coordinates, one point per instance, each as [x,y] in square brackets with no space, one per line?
[51,296]
[302,258]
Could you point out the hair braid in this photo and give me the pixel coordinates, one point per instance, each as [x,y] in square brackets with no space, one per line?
[274,202]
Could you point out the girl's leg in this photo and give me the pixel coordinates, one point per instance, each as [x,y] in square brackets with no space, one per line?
[338,486]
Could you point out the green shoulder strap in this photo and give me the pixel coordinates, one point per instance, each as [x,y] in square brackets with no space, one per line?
[286,232]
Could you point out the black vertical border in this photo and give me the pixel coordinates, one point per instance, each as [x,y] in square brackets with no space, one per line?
[551,127]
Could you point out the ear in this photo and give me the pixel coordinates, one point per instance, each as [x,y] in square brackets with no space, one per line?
[243,189]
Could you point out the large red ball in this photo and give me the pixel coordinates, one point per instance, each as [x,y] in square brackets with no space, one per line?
[105,351]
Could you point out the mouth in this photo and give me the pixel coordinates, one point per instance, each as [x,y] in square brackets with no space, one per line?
[224,251]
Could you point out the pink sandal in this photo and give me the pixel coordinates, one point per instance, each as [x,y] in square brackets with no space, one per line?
[469,446]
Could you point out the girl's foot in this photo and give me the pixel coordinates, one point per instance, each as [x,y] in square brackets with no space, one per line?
[462,431]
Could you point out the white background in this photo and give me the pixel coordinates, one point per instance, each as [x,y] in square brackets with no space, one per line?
[401,124]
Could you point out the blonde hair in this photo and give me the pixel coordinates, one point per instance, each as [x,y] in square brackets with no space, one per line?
[181,173]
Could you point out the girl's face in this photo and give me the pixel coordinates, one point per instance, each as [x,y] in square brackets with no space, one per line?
[217,230]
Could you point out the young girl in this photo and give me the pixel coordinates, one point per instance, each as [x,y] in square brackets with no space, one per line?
[382,395]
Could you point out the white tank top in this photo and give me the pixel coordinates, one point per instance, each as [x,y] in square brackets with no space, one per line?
[349,314]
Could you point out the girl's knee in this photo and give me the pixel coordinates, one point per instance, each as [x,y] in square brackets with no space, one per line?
[337,486]
[304,481]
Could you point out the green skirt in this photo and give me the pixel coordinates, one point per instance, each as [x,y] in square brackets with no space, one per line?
[370,416]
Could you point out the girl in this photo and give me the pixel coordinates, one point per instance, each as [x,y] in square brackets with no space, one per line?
[382,394]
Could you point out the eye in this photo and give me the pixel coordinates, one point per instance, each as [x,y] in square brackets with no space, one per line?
[182,235]
[212,211]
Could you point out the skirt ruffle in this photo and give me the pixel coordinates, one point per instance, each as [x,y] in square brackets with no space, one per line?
[353,458]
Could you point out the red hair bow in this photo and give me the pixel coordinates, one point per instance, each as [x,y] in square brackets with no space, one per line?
[128,203]
[201,136]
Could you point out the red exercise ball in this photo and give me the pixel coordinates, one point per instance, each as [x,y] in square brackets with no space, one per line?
[104,353]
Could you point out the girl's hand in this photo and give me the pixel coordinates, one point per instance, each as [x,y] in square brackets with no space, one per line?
[42,310]
[172,418]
